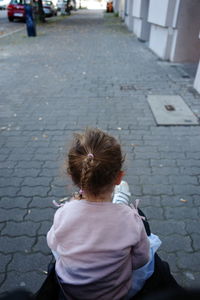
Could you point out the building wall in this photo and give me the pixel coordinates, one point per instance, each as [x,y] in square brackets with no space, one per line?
[129,14]
[186,44]
[141,27]
[177,23]
[171,26]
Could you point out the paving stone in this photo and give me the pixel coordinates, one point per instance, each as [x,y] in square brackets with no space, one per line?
[40,215]
[196,200]
[14,229]
[13,181]
[192,226]
[150,201]
[41,202]
[29,164]
[49,172]
[180,213]
[176,242]
[2,278]
[28,191]
[16,244]
[18,279]
[154,179]
[41,245]
[166,171]
[4,261]
[17,157]
[180,115]
[14,202]
[26,172]
[13,214]
[8,191]
[61,180]
[181,180]
[186,189]
[6,172]
[177,201]
[45,227]
[157,189]
[7,164]
[58,192]
[168,227]
[39,181]
[31,262]
[188,279]
[153,213]
[195,241]
[188,261]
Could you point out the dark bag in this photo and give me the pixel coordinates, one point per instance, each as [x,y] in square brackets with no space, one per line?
[50,289]
[161,279]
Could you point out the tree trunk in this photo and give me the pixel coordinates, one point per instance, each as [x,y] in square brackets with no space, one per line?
[41,15]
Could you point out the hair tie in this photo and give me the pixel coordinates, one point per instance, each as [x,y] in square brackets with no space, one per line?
[81,192]
[90,155]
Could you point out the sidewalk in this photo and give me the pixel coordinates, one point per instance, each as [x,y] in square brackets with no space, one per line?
[88,70]
[6,27]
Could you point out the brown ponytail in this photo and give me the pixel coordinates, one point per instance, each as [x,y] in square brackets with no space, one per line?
[94,160]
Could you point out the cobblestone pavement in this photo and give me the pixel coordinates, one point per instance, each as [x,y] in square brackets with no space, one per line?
[88,69]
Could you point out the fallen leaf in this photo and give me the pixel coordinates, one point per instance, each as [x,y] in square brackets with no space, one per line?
[183,200]
[64,199]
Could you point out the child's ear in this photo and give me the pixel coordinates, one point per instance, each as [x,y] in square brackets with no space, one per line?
[119,177]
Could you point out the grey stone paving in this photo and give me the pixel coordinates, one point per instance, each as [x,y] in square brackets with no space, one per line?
[89,70]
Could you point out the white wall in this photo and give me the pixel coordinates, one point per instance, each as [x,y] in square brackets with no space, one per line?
[186,44]
[174,29]
[129,14]
[197,80]
[161,12]
[141,27]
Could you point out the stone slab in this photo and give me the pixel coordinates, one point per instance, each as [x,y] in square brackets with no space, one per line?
[181,115]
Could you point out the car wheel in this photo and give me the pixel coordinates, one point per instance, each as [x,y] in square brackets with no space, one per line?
[10,19]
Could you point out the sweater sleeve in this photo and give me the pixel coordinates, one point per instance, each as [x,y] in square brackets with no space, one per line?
[51,236]
[140,251]
[51,239]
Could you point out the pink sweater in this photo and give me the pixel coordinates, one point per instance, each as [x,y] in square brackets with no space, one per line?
[99,245]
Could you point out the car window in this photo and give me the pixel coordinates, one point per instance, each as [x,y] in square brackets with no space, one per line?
[17,2]
[47,2]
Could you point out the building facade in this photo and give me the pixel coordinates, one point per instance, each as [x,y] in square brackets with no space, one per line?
[170,27]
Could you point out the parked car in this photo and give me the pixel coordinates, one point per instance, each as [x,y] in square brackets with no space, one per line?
[49,8]
[65,4]
[15,10]
[4,4]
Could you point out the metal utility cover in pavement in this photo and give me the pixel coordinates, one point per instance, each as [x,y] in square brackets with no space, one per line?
[171,110]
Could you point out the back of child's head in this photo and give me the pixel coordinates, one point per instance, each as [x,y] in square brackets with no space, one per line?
[94,161]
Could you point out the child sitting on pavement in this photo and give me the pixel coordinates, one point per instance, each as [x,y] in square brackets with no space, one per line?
[99,243]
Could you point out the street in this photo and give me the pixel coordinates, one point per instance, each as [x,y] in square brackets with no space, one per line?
[7,27]
[88,70]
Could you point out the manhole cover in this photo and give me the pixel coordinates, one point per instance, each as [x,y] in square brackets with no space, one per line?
[130,87]
[171,110]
